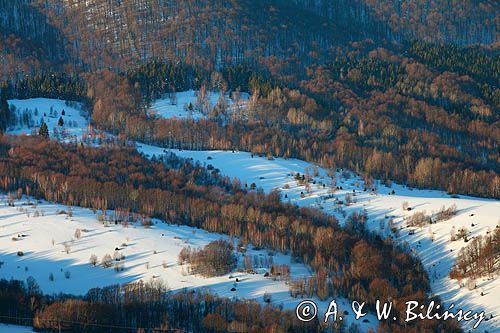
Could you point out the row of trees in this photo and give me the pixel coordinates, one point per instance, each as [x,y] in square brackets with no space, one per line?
[119,178]
[53,85]
[157,77]
[343,151]
[139,307]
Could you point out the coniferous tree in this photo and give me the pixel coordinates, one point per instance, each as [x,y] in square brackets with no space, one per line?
[44,130]
[60,122]
[4,114]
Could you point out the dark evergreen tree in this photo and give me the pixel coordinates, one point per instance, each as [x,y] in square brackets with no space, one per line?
[44,130]
[4,114]
[60,122]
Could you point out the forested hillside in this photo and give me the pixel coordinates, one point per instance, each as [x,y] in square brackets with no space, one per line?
[420,113]
[427,116]
[100,34]
[28,42]
[404,91]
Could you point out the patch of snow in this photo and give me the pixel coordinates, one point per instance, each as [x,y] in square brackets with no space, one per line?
[15,329]
[185,105]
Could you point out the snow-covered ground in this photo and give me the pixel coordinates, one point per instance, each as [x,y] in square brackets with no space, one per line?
[59,260]
[31,112]
[185,105]
[431,243]
[42,238]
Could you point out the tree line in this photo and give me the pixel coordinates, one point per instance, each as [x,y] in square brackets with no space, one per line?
[140,307]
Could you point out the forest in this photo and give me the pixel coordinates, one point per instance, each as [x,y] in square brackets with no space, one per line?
[116,34]
[386,100]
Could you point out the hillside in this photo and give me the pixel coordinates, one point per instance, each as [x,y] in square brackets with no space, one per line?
[188,194]
[57,243]
[364,206]
[214,33]
[205,165]
[384,213]
[464,22]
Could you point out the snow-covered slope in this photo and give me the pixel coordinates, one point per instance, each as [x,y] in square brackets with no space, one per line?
[58,259]
[185,104]
[42,230]
[431,243]
[31,112]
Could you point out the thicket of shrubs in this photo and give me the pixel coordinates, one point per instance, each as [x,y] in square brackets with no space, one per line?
[420,219]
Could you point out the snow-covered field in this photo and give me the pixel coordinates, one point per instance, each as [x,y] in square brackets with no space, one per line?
[431,243]
[30,113]
[149,252]
[185,105]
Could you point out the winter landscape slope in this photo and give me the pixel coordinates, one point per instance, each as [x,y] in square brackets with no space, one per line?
[30,113]
[54,243]
[59,260]
[381,204]
[45,233]
[431,243]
